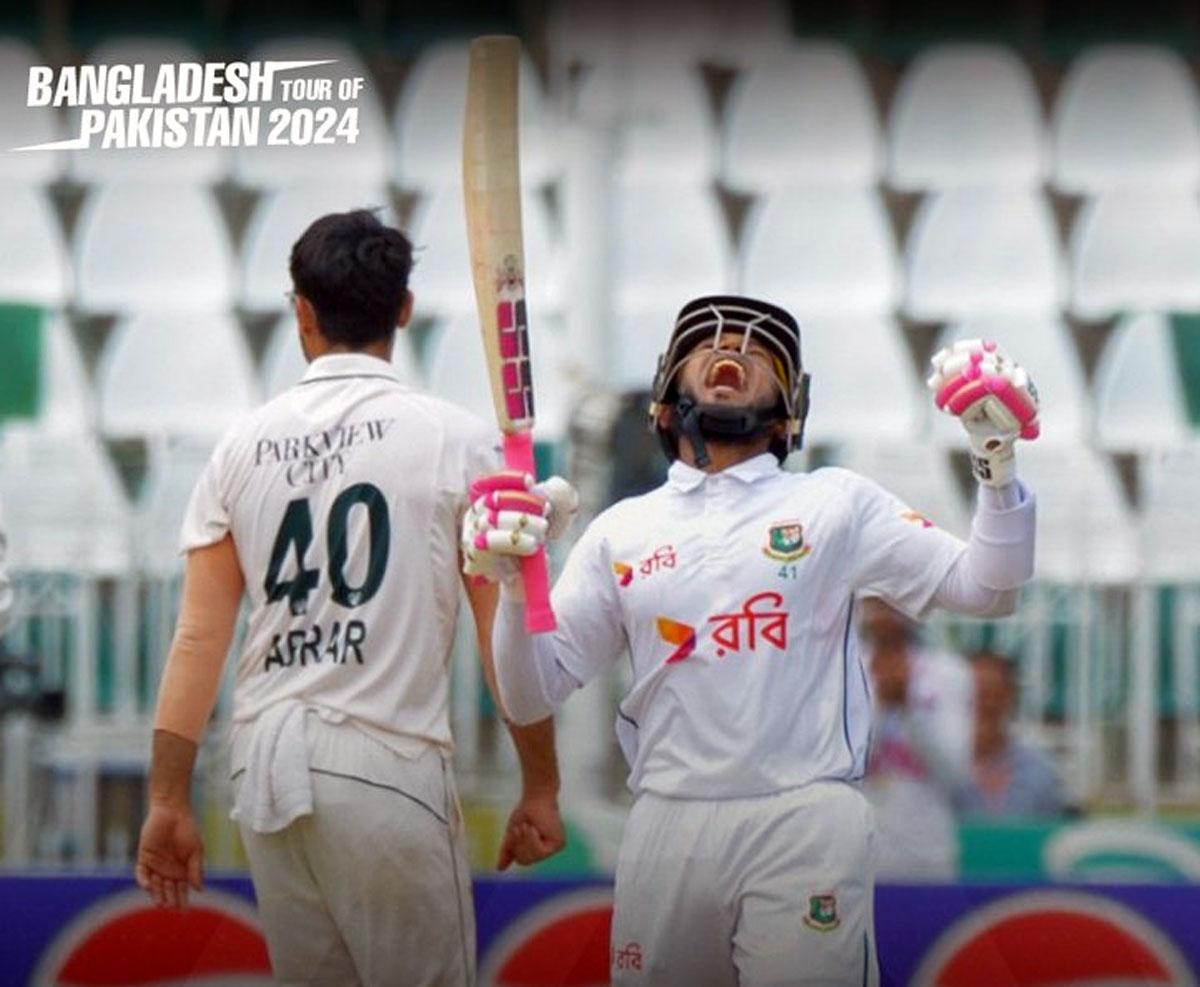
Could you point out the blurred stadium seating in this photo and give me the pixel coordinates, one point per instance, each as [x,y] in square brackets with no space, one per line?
[896,179]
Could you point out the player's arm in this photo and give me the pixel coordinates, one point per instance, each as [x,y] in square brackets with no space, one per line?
[997,404]
[536,673]
[170,853]
[535,830]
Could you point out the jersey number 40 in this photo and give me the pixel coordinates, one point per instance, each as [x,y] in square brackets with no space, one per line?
[297,530]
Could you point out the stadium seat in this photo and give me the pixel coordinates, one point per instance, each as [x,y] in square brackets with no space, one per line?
[283,363]
[33,257]
[95,165]
[151,246]
[1127,116]
[863,386]
[1043,345]
[804,117]
[174,465]
[441,277]
[823,250]
[918,473]
[1085,532]
[428,122]
[982,250]
[174,373]
[23,125]
[364,162]
[667,247]
[659,117]
[279,219]
[1170,481]
[1140,402]
[64,505]
[457,372]
[966,115]
[1133,250]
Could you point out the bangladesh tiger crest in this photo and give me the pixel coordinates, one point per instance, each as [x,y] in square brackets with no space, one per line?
[822,912]
[785,542]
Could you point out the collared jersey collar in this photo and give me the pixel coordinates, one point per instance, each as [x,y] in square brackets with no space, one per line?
[685,478]
[334,365]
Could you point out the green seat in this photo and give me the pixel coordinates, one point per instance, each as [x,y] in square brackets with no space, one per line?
[21,343]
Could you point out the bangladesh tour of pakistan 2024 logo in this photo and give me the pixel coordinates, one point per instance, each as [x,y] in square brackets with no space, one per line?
[785,541]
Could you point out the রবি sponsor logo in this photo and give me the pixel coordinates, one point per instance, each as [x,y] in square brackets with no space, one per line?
[760,619]
[125,939]
[1054,939]
[563,941]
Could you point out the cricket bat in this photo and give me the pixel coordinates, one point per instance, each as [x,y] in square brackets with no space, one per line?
[492,188]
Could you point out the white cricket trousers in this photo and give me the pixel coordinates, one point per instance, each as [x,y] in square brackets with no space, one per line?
[752,892]
[373,888]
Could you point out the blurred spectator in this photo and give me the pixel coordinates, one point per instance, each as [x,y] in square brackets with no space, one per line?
[919,747]
[1008,777]
[5,587]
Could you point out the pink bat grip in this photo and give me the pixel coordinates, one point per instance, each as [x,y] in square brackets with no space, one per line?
[539,618]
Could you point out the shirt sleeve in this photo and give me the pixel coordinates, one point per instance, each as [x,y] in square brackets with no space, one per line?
[898,554]
[208,517]
[475,451]
[537,672]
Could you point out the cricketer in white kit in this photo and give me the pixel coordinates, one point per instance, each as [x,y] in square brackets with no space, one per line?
[747,857]
[337,508]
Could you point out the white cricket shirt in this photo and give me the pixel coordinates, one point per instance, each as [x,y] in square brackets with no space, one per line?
[344,496]
[735,593]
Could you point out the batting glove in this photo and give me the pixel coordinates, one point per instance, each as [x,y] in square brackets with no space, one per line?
[994,399]
[510,518]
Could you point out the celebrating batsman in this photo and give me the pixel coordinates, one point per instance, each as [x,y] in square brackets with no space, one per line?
[336,507]
[747,856]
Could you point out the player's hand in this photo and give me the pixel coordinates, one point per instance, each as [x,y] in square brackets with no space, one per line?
[170,857]
[510,518]
[994,399]
[534,832]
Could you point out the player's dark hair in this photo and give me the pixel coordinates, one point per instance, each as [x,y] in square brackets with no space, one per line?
[354,270]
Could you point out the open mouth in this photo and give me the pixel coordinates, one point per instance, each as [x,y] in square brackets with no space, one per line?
[726,373]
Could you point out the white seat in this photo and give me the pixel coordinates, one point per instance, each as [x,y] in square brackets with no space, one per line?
[143,246]
[827,250]
[174,465]
[64,505]
[1127,115]
[174,373]
[966,115]
[67,405]
[1134,250]
[805,117]
[1085,532]
[23,125]
[458,372]
[918,473]
[1042,344]
[666,247]
[982,250]
[1140,401]
[364,162]
[278,221]
[863,385]
[284,365]
[659,116]
[441,277]
[33,256]
[1170,481]
[428,122]
[96,165]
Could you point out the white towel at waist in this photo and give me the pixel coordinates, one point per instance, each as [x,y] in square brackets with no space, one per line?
[277,788]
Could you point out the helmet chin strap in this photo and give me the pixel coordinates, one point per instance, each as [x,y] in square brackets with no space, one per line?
[719,423]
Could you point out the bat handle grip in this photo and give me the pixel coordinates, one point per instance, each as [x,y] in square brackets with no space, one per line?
[539,617]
